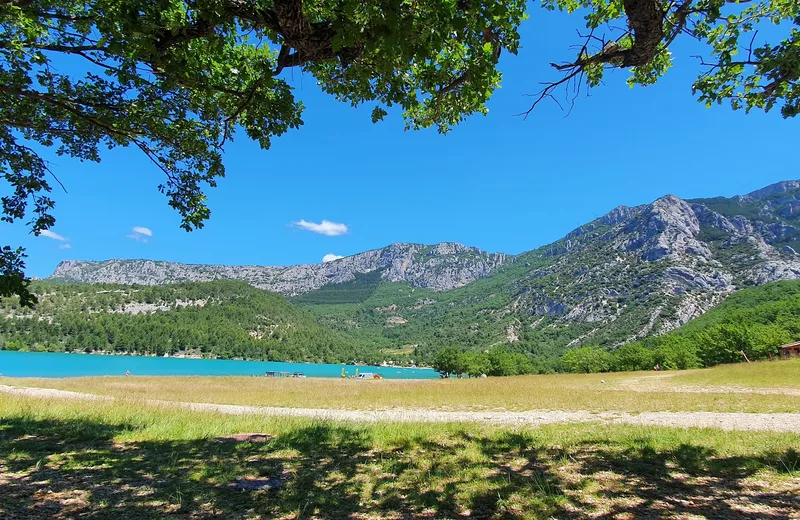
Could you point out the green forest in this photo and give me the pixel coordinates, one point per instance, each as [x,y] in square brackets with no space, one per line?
[367,320]
[224,319]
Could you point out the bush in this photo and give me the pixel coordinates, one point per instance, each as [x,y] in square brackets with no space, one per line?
[476,364]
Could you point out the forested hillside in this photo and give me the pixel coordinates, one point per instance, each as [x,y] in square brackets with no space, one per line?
[218,319]
[753,321]
[234,320]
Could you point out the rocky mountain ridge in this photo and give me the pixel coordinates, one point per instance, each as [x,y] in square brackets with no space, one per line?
[661,264]
[439,267]
[635,271]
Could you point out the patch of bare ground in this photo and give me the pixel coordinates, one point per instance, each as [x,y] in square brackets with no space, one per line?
[662,383]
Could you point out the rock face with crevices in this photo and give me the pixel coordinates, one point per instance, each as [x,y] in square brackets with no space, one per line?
[439,267]
[656,266]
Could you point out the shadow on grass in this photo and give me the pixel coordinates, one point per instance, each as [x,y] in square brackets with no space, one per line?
[74,468]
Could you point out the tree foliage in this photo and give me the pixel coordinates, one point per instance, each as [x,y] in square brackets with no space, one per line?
[588,359]
[12,276]
[751,58]
[177,78]
[495,362]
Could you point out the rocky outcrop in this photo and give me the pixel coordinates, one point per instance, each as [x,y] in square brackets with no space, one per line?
[706,217]
[662,264]
[440,267]
[772,190]
[620,214]
[667,228]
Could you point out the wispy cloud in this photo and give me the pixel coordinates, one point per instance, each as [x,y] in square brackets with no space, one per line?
[326,227]
[142,231]
[55,236]
[49,234]
[330,257]
[140,234]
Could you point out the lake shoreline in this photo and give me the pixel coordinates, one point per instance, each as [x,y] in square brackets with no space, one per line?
[194,356]
[15,363]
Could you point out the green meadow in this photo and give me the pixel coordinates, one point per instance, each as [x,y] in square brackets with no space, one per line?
[68,459]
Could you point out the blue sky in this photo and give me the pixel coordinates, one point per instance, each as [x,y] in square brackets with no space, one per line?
[498,182]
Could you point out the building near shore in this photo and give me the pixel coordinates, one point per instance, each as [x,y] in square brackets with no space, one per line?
[790,350]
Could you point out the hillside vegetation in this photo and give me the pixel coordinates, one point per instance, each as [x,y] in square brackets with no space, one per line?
[457,331]
[752,322]
[224,319]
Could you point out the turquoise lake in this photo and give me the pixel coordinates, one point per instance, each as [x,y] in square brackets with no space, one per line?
[50,364]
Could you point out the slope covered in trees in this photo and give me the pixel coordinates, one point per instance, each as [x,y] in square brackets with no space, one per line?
[234,320]
[220,319]
[753,321]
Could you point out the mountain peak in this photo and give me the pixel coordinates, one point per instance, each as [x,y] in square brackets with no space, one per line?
[773,189]
[619,214]
[439,267]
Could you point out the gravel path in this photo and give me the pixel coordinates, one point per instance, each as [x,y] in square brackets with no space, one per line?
[780,422]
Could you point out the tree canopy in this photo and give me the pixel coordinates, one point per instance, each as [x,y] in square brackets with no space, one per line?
[177,78]
[738,67]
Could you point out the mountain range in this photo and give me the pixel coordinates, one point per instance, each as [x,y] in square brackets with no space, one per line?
[439,267]
[689,251]
[632,273]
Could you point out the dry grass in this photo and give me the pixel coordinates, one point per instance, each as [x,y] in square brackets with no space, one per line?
[631,392]
[61,459]
[763,374]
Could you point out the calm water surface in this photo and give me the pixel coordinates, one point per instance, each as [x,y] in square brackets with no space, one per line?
[50,364]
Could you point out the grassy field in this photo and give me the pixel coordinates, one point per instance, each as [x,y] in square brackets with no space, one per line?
[68,459]
[631,392]
[776,374]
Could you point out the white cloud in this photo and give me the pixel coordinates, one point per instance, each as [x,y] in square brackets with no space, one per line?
[55,236]
[140,234]
[330,257]
[326,227]
[142,231]
[49,234]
